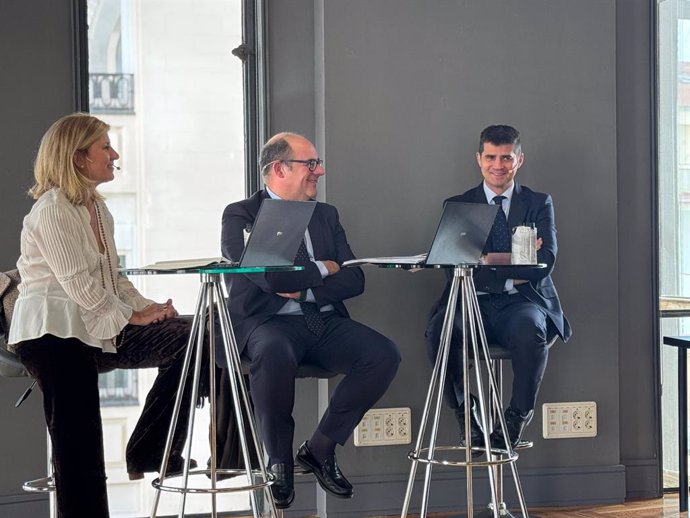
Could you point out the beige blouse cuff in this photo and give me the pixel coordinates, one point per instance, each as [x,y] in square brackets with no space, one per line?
[108,325]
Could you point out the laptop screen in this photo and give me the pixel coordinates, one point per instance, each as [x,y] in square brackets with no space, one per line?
[462,233]
[277,232]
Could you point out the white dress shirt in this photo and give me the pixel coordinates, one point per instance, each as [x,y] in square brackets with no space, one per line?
[67,287]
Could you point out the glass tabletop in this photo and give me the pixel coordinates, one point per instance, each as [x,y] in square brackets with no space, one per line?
[415,266]
[212,268]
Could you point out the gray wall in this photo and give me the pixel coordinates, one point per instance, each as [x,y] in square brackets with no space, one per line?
[398,91]
[394,92]
[36,87]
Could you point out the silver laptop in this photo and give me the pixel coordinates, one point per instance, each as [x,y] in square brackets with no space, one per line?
[277,232]
[462,233]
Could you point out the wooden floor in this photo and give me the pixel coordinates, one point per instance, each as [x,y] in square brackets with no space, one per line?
[666,507]
[659,508]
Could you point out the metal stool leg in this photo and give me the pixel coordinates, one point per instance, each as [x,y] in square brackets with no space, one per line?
[178,400]
[437,378]
[497,508]
[476,327]
[232,357]
[211,299]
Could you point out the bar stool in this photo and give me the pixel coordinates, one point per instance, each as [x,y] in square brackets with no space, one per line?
[40,485]
[306,371]
[497,356]
[11,367]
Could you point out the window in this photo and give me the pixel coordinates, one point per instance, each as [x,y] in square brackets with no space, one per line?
[162,74]
[673,85]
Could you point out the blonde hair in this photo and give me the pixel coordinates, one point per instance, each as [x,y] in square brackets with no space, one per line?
[55,166]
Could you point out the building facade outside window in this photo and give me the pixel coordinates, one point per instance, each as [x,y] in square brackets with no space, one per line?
[161,73]
[673,109]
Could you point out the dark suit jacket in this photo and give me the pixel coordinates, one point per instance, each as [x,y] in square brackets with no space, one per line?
[253,298]
[526,207]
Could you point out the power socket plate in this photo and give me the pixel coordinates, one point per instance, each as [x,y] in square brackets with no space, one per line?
[384,426]
[569,420]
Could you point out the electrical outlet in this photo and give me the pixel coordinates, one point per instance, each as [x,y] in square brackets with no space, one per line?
[563,420]
[382,426]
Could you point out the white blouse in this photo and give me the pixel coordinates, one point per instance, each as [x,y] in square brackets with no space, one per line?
[67,287]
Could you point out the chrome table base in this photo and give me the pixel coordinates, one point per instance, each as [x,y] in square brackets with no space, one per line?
[425,452]
[210,301]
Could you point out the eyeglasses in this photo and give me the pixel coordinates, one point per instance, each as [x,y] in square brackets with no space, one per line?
[311,164]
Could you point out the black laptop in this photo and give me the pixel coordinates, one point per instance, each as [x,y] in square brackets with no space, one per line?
[461,234]
[277,232]
[460,238]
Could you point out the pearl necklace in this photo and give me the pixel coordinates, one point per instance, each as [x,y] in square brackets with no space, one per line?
[101,231]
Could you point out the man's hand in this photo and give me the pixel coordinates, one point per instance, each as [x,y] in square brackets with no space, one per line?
[331,266]
[291,295]
[496,258]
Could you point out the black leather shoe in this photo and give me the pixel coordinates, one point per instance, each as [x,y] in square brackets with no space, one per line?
[516,422]
[283,487]
[476,433]
[328,473]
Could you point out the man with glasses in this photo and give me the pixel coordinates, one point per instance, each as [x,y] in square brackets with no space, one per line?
[285,319]
[520,307]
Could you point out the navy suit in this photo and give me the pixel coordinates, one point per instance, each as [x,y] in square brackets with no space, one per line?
[523,322]
[277,344]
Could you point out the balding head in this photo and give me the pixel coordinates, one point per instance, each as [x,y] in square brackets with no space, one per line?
[284,164]
[277,148]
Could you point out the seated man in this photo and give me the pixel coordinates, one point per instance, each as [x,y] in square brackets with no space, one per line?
[285,319]
[519,307]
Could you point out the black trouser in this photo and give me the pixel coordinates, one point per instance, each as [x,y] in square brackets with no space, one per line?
[513,322]
[277,347]
[67,372]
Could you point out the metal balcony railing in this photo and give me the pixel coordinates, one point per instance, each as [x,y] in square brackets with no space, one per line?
[111,93]
[119,388]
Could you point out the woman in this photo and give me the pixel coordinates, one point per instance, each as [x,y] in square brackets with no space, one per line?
[75,316]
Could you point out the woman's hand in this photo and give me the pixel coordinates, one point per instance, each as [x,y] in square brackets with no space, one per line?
[153,313]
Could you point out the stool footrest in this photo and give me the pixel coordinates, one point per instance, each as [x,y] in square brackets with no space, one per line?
[223,474]
[39,485]
[498,457]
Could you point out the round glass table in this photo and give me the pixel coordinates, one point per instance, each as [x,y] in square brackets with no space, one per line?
[210,306]
[474,345]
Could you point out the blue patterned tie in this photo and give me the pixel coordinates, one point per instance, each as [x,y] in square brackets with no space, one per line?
[312,315]
[500,233]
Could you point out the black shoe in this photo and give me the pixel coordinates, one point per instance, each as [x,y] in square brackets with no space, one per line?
[283,487]
[328,473]
[516,422]
[476,433]
[175,467]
